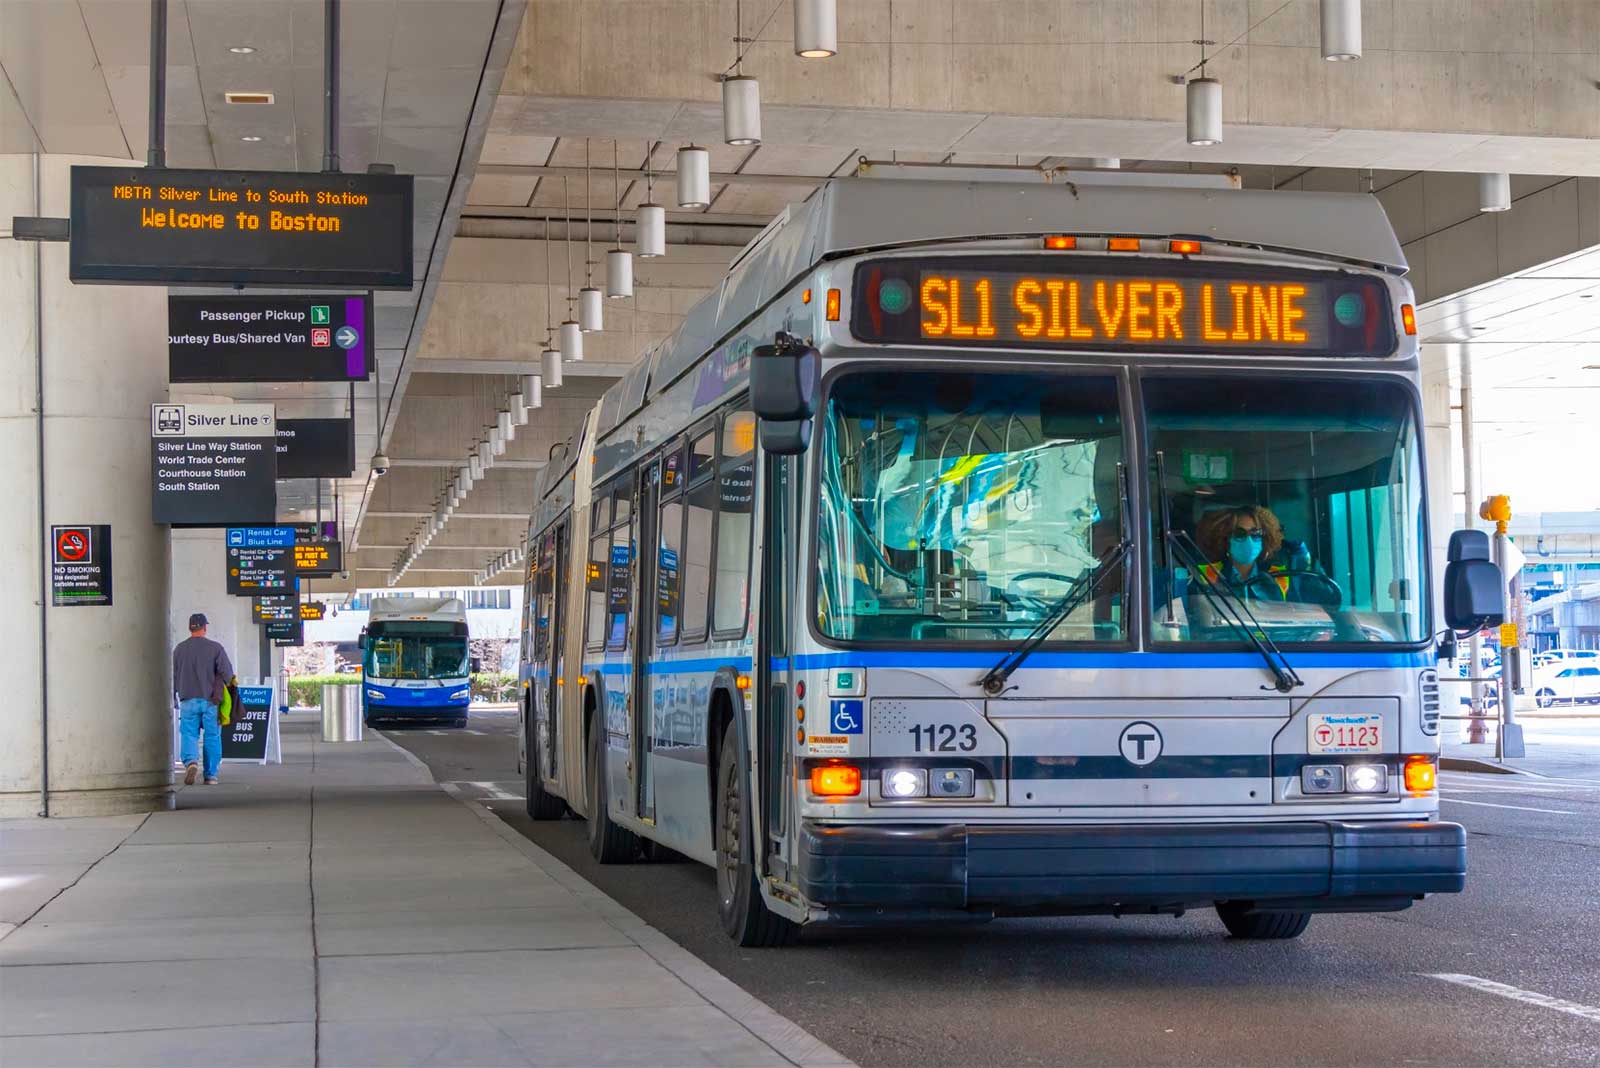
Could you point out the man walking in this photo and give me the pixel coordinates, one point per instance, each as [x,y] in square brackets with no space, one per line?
[200,672]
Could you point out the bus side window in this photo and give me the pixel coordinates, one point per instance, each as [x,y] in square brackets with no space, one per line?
[700,508]
[735,511]
[595,591]
[619,590]
[670,549]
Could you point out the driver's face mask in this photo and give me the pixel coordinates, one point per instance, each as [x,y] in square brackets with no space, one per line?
[1244,547]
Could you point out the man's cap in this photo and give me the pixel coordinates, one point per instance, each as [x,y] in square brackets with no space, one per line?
[197,621]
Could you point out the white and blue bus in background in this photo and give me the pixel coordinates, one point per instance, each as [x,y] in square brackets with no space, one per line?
[414,660]
[982,549]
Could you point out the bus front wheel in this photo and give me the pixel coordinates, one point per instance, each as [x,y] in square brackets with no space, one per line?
[608,843]
[745,917]
[1241,922]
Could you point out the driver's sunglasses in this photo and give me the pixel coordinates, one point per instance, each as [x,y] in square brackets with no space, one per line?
[1242,535]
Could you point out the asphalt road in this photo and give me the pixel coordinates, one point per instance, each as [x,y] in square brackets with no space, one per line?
[1359,990]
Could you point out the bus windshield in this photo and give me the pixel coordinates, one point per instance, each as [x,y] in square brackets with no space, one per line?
[407,656]
[958,507]
[1300,498]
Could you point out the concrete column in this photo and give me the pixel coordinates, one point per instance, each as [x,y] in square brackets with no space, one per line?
[91,684]
[200,584]
[1439,451]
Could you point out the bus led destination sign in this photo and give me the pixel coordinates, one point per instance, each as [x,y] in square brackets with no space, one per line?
[136,224]
[1118,305]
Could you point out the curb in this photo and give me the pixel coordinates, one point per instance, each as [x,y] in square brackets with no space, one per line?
[785,1037]
[1473,764]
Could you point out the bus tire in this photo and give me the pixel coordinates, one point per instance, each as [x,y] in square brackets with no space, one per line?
[541,804]
[745,916]
[608,843]
[1243,923]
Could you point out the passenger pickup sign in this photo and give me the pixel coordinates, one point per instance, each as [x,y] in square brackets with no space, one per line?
[1096,303]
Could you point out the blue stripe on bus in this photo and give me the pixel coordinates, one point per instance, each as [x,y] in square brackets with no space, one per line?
[1126,661]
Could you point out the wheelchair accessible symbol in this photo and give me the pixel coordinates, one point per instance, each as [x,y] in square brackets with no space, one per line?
[846,717]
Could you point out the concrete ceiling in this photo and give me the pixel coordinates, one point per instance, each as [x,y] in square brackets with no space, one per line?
[417,79]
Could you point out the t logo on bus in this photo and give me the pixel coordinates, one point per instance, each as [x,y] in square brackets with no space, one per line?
[1140,744]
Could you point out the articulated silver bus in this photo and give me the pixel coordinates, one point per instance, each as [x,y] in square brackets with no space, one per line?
[984,549]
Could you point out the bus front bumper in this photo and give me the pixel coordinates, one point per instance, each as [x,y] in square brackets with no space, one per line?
[858,871]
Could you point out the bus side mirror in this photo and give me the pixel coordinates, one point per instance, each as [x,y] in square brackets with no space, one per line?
[785,437]
[784,378]
[1474,596]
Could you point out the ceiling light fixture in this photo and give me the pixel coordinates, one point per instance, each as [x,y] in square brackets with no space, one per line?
[619,261]
[532,392]
[1341,30]
[816,29]
[571,333]
[241,50]
[591,305]
[694,177]
[551,356]
[650,234]
[1494,192]
[741,96]
[252,138]
[1203,96]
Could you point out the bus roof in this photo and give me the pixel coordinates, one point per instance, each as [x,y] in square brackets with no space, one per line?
[420,609]
[846,216]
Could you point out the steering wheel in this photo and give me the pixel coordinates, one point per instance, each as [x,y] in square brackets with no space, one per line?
[1014,596]
[1317,578]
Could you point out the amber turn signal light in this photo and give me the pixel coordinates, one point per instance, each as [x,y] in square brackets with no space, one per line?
[836,780]
[833,306]
[1060,242]
[1122,244]
[1183,246]
[1408,319]
[1421,775]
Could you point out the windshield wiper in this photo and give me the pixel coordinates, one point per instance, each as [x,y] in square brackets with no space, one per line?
[1083,587]
[1232,607]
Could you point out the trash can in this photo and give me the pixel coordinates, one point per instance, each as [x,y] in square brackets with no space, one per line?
[341,712]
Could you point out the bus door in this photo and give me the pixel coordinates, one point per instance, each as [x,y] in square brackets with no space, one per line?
[644,630]
[775,641]
[557,644]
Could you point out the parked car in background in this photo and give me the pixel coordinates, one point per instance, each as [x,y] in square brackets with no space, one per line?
[1572,684]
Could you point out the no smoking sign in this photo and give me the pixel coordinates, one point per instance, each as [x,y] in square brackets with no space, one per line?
[72,545]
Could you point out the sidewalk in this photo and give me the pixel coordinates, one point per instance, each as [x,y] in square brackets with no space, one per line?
[342,909]
[1558,746]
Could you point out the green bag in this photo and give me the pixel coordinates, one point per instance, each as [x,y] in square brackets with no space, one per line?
[225,706]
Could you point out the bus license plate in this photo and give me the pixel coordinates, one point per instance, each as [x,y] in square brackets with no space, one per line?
[1344,732]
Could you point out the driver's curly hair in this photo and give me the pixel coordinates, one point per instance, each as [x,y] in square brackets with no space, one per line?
[1217,526]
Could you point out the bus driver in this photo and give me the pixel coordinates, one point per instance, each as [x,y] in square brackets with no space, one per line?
[1242,544]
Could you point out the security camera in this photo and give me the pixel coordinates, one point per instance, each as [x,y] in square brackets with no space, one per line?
[345,575]
[380,464]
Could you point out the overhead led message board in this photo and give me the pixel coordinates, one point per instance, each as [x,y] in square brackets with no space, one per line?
[227,338]
[1102,304]
[142,225]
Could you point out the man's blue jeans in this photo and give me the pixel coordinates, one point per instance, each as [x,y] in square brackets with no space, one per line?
[195,715]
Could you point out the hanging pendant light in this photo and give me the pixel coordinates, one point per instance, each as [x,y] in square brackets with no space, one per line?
[591,304]
[1203,96]
[506,426]
[591,309]
[552,369]
[1341,30]
[650,232]
[517,405]
[1205,111]
[816,29]
[741,110]
[550,358]
[1494,192]
[532,392]
[619,261]
[571,332]
[475,466]
[694,177]
[464,476]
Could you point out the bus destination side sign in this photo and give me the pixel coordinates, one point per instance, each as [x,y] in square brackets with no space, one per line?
[213,465]
[226,338]
[1099,304]
[158,227]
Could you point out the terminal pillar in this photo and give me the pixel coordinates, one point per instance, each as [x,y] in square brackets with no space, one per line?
[87,716]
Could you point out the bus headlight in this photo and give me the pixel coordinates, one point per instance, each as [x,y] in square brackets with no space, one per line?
[375,695]
[1367,779]
[461,695]
[905,782]
[1322,779]
[952,782]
